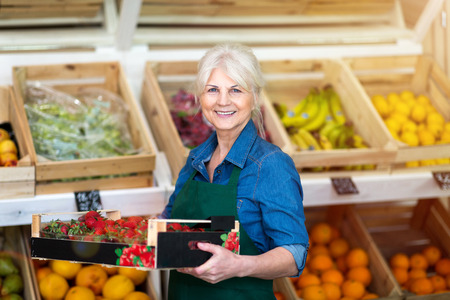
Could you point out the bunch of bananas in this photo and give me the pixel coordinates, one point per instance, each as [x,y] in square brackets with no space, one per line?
[318,122]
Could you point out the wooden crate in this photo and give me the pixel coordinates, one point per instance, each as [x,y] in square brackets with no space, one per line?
[25,9]
[15,182]
[352,229]
[137,170]
[419,74]
[289,81]
[408,228]
[162,81]
[162,248]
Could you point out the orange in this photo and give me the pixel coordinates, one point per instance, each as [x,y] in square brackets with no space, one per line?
[417,273]
[307,280]
[66,269]
[341,264]
[314,292]
[320,263]
[421,286]
[117,287]
[370,296]
[357,257]
[333,291]
[353,289]
[432,254]
[418,261]
[279,295]
[93,277]
[400,260]
[137,276]
[42,272]
[53,286]
[109,270]
[320,233]
[339,247]
[442,266]
[438,282]
[80,293]
[361,274]
[136,295]
[400,274]
[318,249]
[332,276]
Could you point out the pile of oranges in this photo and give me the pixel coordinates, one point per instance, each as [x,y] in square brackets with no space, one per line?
[64,280]
[334,270]
[422,273]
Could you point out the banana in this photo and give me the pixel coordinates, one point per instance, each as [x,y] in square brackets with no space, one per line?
[343,140]
[298,140]
[320,118]
[309,111]
[336,108]
[325,143]
[327,128]
[298,109]
[309,139]
[281,109]
[334,134]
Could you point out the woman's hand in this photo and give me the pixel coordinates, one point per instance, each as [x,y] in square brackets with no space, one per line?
[223,264]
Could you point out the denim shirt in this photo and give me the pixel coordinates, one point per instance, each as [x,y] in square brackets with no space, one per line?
[269,193]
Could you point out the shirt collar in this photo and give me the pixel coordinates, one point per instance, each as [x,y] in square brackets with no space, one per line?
[238,153]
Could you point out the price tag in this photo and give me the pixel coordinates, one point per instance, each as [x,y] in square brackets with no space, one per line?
[344,186]
[88,200]
[442,179]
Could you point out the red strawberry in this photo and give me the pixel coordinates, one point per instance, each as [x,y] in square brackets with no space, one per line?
[92,214]
[120,222]
[110,222]
[174,227]
[64,229]
[100,224]
[99,231]
[136,219]
[129,224]
[90,222]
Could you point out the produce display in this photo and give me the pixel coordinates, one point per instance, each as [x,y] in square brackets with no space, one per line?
[334,270]
[414,121]
[422,273]
[11,281]
[8,150]
[65,280]
[318,122]
[92,124]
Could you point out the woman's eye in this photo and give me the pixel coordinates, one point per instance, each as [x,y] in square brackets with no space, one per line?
[212,90]
[235,91]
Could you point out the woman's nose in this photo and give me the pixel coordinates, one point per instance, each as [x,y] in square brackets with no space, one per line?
[224,98]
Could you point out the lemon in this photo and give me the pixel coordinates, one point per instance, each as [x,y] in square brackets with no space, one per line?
[409,138]
[430,109]
[409,126]
[422,99]
[117,287]
[80,293]
[447,126]
[394,135]
[53,286]
[399,117]
[435,129]
[393,98]
[426,138]
[137,296]
[445,137]
[406,94]
[402,108]
[418,113]
[435,117]
[393,125]
[427,162]
[66,269]
[377,98]
[137,276]
[412,164]
[442,161]
[382,106]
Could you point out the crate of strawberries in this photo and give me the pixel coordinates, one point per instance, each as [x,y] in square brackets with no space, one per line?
[104,237]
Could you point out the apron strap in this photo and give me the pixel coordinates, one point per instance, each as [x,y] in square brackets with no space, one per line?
[234,178]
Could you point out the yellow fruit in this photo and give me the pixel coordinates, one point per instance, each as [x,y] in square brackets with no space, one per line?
[382,107]
[392,124]
[53,286]
[93,277]
[137,296]
[442,161]
[376,98]
[393,98]
[402,108]
[42,272]
[435,129]
[422,99]
[137,276]
[401,118]
[445,137]
[4,135]
[427,162]
[117,287]
[8,146]
[447,126]
[410,138]
[66,269]
[80,293]
[430,109]
[405,95]
[409,126]
[435,117]
[412,164]
[426,138]
[418,113]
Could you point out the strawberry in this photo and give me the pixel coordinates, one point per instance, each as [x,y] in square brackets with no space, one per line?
[129,224]
[136,219]
[174,227]
[90,222]
[120,222]
[110,222]
[100,224]
[92,214]
[64,229]
[99,231]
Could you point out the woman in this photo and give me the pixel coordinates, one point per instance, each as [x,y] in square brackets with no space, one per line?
[236,172]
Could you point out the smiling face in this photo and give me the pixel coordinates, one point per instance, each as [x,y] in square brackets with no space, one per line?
[225,104]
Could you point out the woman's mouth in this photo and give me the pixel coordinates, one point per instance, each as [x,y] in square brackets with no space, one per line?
[225,113]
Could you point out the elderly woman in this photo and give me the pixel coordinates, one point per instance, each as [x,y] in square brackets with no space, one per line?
[236,172]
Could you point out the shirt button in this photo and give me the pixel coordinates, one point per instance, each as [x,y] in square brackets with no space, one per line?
[218,171]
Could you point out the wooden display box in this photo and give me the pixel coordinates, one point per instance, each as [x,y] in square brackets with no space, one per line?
[137,170]
[162,81]
[18,181]
[407,228]
[289,81]
[352,229]
[25,9]
[12,243]
[162,248]
[419,74]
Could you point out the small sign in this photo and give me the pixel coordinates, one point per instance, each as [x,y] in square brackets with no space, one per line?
[344,186]
[442,179]
[88,200]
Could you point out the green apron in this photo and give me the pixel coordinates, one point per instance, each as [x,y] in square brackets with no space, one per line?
[200,200]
